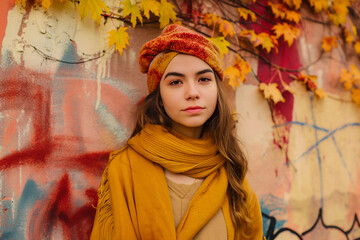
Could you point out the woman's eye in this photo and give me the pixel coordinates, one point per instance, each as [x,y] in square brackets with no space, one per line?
[204,79]
[175,82]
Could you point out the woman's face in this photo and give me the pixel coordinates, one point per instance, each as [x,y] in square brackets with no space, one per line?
[189,93]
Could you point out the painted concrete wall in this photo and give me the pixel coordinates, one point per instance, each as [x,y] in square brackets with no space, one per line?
[67,100]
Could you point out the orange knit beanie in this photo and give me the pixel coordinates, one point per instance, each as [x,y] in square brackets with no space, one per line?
[156,54]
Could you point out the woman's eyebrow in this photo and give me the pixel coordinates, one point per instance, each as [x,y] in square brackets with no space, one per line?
[205,71]
[174,74]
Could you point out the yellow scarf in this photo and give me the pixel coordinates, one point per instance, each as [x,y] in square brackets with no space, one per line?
[134,201]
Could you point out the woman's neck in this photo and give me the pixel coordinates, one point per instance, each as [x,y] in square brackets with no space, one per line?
[193,132]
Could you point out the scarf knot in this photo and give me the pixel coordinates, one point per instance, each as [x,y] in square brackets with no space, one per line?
[177,153]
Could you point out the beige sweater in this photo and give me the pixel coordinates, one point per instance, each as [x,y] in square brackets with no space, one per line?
[181,195]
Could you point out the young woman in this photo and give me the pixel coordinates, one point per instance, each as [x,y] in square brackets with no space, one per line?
[182,174]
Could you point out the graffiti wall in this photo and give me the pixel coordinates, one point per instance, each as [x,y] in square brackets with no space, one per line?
[67,100]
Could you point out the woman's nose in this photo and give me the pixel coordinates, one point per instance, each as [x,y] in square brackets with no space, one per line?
[192,91]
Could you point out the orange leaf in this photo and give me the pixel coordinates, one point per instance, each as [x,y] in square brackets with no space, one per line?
[293,3]
[348,36]
[226,28]
[293,16]
[245,13]
[46,4]
[120,38]
[319,5]
[309,80]
[243,66]
[328,43]
[211,19]
[278,9]
[267,42]
[346,78]
[288,32]
[357,46]
[320,93]
[355,95]
[233,75]
[271,92]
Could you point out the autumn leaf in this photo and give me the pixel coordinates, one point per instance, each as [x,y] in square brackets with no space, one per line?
[167,13]
[94,7]
[232,74]
[355,95]
[46,4]
[319,5]
[346,78]
[226,28]
[293,16]
[211,19]
[348,36]
[278,9]
[243,66]
[288,32]
[293,3]
[245,13]
[339,12]
[120,38]
[271,92]
[267,42]
[310,81]
[222,44]
[133,10]
[320,93]
[148,6]
[357,46]
[328,43]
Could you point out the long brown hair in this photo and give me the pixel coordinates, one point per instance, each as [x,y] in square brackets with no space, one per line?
[223,131]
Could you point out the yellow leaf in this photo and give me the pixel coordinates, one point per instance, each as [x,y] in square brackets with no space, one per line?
[354,30]
[133,10]
[46,4]
[267,42]
[245,13]
[94,7]
[319,5]
[226,28]
[328,43]
[150,6]
[357,46]
[293,16]
[167,13]
[211,19]
[222,44]
[120,38]
[271,91]
[355,95]
[320,93]
[233,75]
[339,11]
[288,32]
[346,78]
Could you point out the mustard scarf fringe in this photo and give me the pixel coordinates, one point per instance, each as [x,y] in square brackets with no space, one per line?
[134,201]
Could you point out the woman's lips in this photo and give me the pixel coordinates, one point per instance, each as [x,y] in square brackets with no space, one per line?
[195,109]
